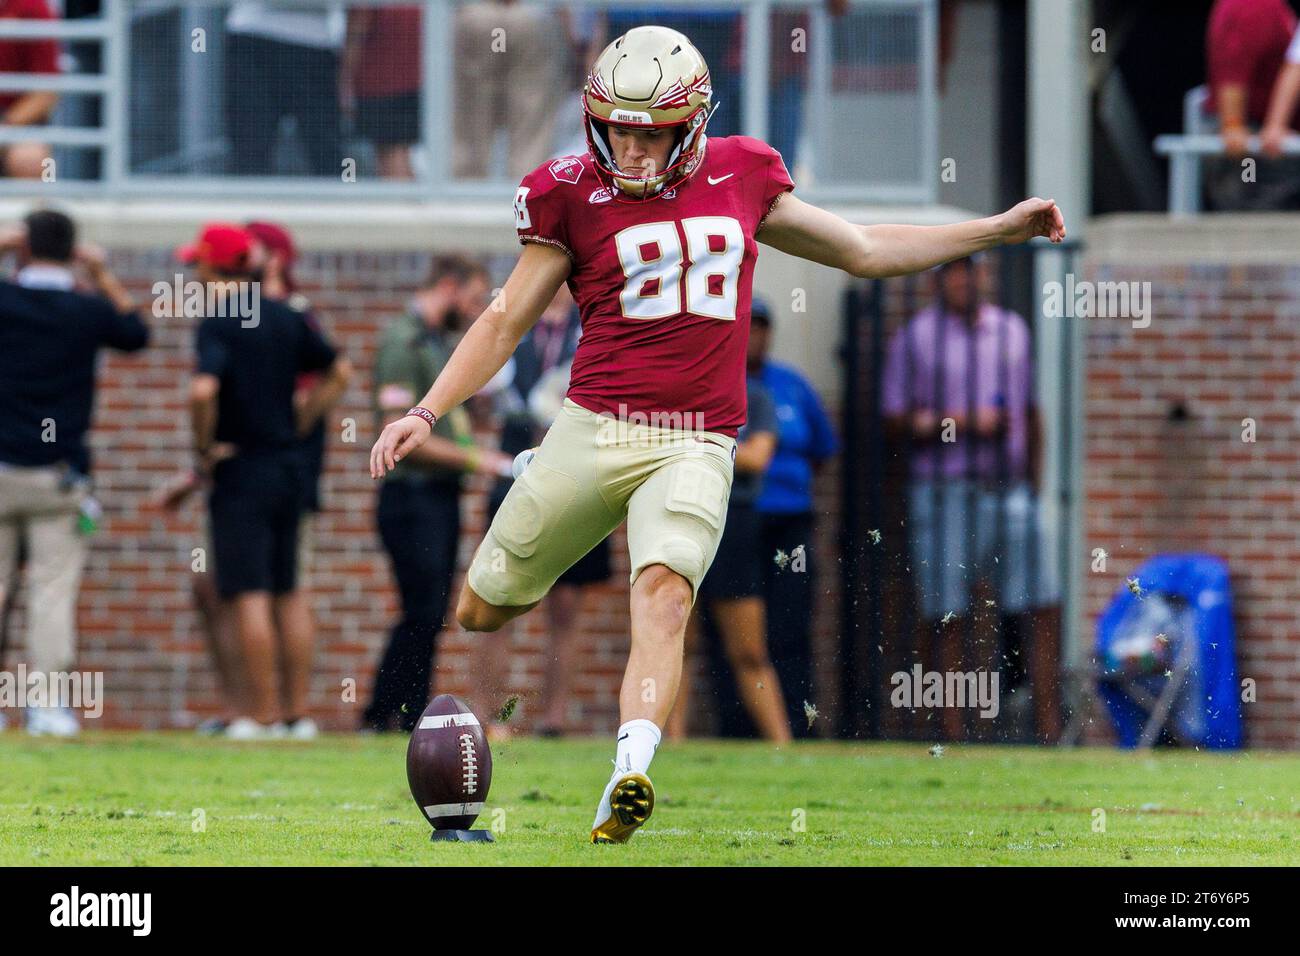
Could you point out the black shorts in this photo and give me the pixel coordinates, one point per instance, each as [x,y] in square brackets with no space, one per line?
[254,508]
[737,569]
[389,120]
[592,568]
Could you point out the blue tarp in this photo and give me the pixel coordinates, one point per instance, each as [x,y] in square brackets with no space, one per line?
[1186,597]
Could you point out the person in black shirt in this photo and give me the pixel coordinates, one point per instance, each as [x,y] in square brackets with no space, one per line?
[273,258]
[50,338]
[275,272]
[247,426]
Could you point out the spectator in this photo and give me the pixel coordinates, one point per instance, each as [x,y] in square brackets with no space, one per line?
[789,77]
[283,64]
[538,377]
[247,426]
[1282,102]
[274,269]
[805,440]
[584,26]
[273,257]
[715,32]
[381,83]
[419,501]
[958,386]
[216,616]
[50,337]
[507,71]
[33,107]
[732,592]
[1246,46]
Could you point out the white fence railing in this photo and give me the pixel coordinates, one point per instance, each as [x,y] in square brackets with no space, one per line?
[1187,152]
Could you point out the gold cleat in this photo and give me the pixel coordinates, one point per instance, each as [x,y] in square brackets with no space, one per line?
[631,802]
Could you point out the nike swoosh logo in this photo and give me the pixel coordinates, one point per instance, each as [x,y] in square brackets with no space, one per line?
[625,736]
[714,182]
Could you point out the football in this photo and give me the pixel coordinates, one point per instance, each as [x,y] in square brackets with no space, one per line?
[448,764]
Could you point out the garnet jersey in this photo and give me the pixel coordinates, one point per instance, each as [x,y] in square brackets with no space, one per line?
[663,286]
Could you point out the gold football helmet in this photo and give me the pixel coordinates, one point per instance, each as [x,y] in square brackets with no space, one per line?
[648,77]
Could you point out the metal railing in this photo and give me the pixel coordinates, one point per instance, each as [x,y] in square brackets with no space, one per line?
[960,570]
[861,107]
[1188,150]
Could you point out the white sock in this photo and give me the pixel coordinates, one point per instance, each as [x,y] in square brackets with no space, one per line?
[637,741]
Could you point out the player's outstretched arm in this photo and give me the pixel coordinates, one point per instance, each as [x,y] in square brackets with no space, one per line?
[487,345]
[878,252]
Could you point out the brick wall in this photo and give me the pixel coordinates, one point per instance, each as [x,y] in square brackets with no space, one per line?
[136,619]
[1224,343]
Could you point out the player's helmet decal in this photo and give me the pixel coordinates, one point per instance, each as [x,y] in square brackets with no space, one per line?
[650,77]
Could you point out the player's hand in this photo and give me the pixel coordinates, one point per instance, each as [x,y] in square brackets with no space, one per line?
[1031,218]
[1272,139]
[396,441]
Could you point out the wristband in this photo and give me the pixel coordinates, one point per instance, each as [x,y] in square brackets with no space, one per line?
[421,412]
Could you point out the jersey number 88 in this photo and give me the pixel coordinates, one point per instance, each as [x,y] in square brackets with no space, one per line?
[652,258]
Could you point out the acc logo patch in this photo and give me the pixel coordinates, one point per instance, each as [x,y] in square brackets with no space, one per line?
[566,170]
[600,195]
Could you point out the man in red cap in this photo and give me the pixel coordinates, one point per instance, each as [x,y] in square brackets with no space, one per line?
[247,430]
[220,249]
[220,252]
[274,256]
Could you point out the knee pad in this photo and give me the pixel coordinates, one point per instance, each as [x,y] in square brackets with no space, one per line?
[537,503]
[684,555]
[497,577]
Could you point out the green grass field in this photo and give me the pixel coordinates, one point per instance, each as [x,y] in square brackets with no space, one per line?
[118,798]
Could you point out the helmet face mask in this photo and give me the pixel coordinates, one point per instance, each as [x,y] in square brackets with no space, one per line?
[649,78]
[683,158]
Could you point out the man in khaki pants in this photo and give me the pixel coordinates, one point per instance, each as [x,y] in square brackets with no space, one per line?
[50,336]
[506,75]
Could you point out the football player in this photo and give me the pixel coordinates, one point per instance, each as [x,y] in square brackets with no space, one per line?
[655,230]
